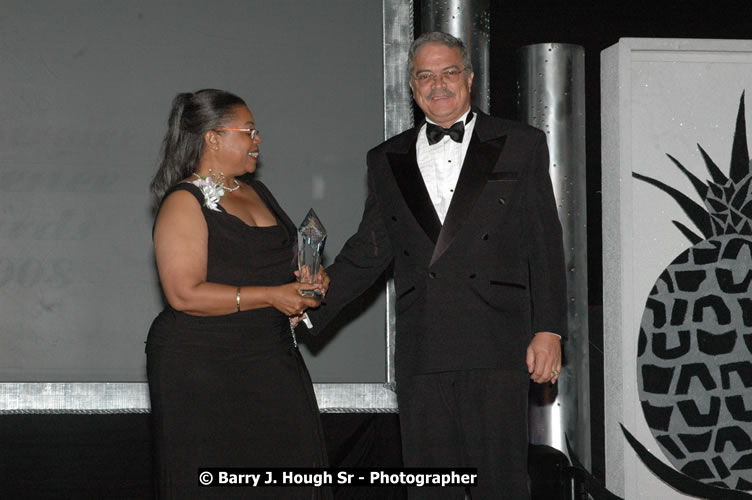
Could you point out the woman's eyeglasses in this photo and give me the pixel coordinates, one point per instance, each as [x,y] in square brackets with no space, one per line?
[252,132]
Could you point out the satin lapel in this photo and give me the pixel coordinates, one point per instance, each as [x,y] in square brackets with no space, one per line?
[480,159]
[410,181]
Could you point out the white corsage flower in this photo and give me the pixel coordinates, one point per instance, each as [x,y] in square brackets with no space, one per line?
[213,189]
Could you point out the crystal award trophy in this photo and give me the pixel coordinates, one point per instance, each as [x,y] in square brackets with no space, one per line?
[311,238]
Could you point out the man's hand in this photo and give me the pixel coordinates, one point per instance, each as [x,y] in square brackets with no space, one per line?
[544,358]
[296,320]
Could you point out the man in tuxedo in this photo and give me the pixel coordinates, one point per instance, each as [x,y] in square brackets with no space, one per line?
[463,206]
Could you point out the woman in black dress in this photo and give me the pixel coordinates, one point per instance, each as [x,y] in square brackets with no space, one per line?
[227,384]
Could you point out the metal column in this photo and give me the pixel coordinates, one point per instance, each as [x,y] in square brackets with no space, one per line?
[552,98]
[468,20]
[398,117]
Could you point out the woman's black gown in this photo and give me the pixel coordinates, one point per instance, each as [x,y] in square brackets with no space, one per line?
[233,390]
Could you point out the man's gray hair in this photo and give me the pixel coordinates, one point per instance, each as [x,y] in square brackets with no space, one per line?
[444,39]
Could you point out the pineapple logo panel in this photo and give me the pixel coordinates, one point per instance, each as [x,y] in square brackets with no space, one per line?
[694,363]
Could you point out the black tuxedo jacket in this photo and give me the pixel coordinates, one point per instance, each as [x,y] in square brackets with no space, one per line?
[473,292]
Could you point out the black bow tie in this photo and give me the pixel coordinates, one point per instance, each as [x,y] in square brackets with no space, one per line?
[456,132]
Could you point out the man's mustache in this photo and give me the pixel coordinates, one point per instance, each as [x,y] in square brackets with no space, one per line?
[440,93]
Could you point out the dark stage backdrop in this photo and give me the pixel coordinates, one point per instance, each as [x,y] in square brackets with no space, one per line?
[86,88]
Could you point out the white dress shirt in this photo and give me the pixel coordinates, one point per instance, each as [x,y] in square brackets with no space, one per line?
[441,163]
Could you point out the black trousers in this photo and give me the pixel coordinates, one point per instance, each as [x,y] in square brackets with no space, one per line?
[475,418]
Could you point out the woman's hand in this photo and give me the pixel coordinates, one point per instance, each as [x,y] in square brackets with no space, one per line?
[321,280]
[288,299]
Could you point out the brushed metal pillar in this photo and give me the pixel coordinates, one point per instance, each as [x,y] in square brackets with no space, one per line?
[470,21]
[398,35]
[398,117]
[552,98]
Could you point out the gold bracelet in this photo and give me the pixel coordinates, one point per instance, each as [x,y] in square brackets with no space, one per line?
[237,299]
